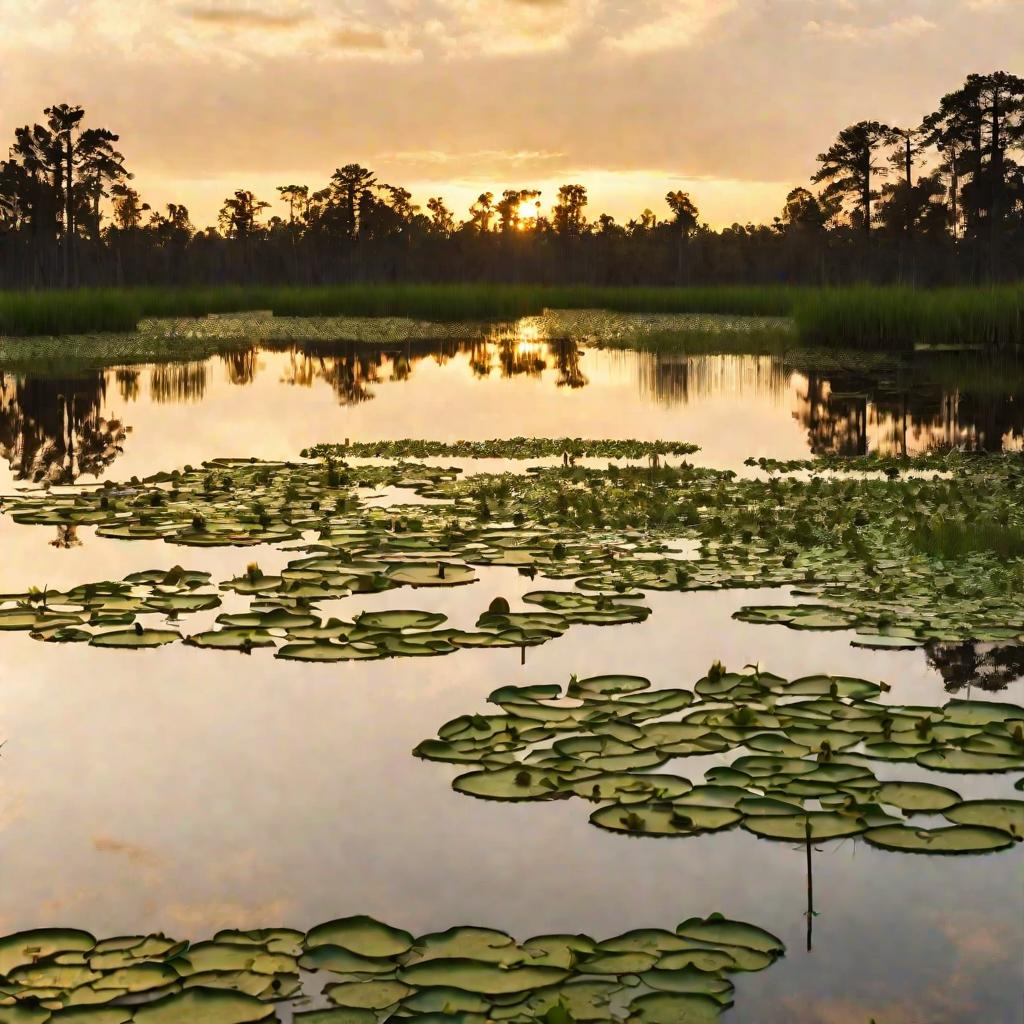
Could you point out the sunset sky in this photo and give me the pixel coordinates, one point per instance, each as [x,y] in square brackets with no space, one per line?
[727,99]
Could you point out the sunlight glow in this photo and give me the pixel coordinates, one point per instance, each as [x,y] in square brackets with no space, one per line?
[528,214]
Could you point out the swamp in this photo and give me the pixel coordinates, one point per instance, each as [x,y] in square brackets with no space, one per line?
[342,653]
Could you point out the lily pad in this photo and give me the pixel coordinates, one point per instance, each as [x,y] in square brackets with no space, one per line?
[955,839]
[204,1006]
[361,935]
[1007,815]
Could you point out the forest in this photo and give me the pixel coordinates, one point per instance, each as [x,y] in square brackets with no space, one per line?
[935,203]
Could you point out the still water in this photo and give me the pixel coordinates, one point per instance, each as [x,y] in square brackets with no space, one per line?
[185,790]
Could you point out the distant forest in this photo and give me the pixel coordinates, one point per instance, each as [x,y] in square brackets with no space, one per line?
[940,202]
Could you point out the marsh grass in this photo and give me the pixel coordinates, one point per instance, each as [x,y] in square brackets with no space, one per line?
[90,310]
[856,317]
[944,537]
[901,318]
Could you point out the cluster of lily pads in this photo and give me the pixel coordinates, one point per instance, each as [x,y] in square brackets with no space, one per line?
[357,970]
[502,448]
[851,547]
[808,753]
[282,613]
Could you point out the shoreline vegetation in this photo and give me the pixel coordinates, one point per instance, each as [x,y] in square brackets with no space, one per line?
[868,317]
[930,202]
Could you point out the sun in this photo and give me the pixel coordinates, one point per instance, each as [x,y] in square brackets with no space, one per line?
[528,214]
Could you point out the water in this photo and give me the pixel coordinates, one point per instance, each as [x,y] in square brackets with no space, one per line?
[184,791]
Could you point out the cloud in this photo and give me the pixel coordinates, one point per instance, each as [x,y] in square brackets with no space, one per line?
[509,28]
[140,855]
[371,43]
[669,26]
[468,164]
[908,27]
[246,17]
[359,39]
[452,94]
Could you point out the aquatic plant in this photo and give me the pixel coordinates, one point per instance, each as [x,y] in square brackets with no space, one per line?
[500,448]
[363,971]
[808,771]
[850,546]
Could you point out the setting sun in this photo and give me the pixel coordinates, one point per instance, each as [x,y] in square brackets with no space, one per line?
[528,213]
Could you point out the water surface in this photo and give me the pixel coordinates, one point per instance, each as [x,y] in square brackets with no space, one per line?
[185,790]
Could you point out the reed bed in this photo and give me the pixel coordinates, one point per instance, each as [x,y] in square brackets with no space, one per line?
[902,318]
[855,317]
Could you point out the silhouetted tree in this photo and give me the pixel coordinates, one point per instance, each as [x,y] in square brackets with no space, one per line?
[850,169]
[239,216]
[481,212]
[297,198]
[351,186]
[65,171]
[952,209]
[128,207]
[441,219]
[803,211]
[568,216]
[685,216]
[509,208]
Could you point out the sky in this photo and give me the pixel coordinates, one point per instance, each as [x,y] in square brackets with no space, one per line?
[729,100]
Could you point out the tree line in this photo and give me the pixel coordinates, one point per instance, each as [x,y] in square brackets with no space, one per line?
[937,202]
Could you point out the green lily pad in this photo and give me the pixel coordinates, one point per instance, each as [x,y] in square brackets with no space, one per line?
[952,840]
[1007,815]
[31,946]
[674,1008]
[916,796]
[484,978]
[517,782]
[721,931]
[338,1015]
[361,935]
[204,1006]
[664,819]
[401,620]
[953,760]
[131,639]
[793,827]
[368,995]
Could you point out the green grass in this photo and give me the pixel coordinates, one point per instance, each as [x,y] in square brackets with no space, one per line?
[94,310]
[856,317]
[900,318]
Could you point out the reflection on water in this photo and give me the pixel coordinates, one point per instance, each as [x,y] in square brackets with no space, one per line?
[54,429]
[989,666]
[59,428]
[188,791]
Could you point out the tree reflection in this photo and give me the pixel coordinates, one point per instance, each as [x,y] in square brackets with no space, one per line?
[904,405]
[988,666]
[241,365]
[52,430]
[178,383]
[568,357]
[67,537]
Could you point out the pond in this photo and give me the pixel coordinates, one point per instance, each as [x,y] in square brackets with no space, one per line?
[184,790]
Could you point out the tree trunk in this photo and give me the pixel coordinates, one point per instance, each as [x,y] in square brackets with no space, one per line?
[69,210]
[867,198]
